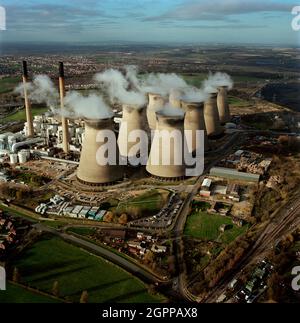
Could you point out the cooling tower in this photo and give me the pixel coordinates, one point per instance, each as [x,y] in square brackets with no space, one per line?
[29,124]
[223,106]
[175,98]
[211,116]
[64,121]
[156,103]
[173,167]
[134,119]
[194,120]
[91,171]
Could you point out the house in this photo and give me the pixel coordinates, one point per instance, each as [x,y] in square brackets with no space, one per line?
[158,249]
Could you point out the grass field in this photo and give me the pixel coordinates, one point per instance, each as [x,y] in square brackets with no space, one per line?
[18,294]
[148,203]
[82,231]
[7,84]
[52,259]
[206,227]
[21,115]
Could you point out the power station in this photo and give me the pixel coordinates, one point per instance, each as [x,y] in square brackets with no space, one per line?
[171,118]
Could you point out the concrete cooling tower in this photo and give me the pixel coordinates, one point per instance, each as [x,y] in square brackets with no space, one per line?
[156,103]
[89,171]
[175,98]
[223,106]
[194,120]
[156,165]
[211,116]
[134,119]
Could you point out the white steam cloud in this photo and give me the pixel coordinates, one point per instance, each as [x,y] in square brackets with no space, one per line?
[40,90]
[116,86]
[216,80]
[88,107]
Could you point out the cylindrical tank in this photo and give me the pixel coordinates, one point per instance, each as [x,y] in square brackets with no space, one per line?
[211,116]
[91,171]
[23,156]
[223,106]
[156,103]
[134,119]
[13,158]
[174,166]
[194,120]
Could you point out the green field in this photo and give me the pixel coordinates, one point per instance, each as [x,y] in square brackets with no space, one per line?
[206,227]
[82,231]
[18,294]
[21,115]
[52,259]
[7,84]
[148,203]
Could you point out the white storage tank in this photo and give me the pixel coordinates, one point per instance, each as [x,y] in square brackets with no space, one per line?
[22,155]
[13,158]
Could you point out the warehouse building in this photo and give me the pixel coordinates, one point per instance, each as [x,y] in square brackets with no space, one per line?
[233,174]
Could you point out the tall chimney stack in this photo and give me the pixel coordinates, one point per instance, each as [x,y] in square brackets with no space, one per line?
[64,121]
[30,131]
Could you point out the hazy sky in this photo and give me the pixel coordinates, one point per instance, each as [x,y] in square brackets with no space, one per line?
[225,21]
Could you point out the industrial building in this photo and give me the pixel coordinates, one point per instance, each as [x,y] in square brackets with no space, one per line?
[233,174]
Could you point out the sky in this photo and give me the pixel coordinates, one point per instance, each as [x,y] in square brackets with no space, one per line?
[161,21]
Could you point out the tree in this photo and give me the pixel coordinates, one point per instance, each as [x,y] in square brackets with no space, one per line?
[84,297]
[123,219]
[16,275]
[55,289]
[108,217]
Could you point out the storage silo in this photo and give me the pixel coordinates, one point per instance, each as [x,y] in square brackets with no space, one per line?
[211,116]
[156,103]
[134,119]
[223,106]
[166,159]
[194,120]
[13,158]
[93,171]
